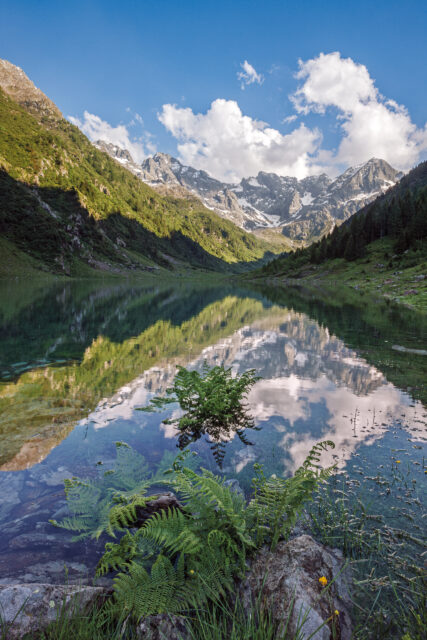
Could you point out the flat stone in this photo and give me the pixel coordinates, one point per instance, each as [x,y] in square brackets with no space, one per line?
[55,478]
[11,485]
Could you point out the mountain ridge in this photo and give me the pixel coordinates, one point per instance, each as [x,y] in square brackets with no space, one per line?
[303,210]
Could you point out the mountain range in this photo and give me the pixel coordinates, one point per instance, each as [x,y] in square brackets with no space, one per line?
[302,210]
[67,205]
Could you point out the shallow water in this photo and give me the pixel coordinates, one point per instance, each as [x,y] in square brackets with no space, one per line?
[78,359]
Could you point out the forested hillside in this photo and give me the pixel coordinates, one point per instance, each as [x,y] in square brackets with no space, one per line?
[399,215]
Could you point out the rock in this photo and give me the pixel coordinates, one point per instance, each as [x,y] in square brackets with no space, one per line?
[159,503]
[11,485]
[53,478]
[410,292]
[31,607]
[233,485]
[419,352]
[291,573]
[37,539]
[162,627]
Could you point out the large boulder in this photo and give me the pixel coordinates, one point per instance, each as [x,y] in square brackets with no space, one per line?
[286,583]
[26,608]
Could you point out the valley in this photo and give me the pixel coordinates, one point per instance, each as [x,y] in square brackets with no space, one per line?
[198,374]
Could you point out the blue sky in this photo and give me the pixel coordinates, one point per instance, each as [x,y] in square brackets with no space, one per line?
[122,62]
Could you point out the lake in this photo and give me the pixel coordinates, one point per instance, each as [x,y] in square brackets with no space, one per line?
[78,358]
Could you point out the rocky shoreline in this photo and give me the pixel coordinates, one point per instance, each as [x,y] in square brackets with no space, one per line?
[286,578]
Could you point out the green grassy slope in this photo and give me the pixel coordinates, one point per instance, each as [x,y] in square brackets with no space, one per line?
[381,272]
[65,203]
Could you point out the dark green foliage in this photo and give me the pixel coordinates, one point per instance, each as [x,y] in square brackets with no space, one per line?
[107,503]
[213,405]
[179,558]
[277,502]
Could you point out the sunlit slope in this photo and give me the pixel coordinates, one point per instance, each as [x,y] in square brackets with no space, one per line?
[73,208]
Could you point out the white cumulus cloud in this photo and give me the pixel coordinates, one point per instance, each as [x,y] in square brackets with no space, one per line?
[230,145]
[248,75]
[372,126]
[97,129]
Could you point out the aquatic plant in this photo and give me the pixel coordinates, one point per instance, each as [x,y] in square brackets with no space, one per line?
[378,523]
[213,405]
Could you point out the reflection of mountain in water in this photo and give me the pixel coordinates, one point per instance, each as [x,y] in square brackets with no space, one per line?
[125,342]
[284,344]
[313,388]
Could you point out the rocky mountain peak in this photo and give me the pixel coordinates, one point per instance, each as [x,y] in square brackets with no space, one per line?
[114,151]
[16,84]
[302,210]
[164,158]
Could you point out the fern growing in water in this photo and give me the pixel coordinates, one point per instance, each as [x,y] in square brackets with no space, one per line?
[108,503]
[213,405]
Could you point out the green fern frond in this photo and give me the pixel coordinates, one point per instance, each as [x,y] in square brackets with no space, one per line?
[170,529]
[144,593]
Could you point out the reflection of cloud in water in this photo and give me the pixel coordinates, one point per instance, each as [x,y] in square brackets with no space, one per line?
[296,399]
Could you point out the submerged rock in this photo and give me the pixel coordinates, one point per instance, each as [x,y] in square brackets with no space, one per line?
[234,485]
[286,581]
[11,485]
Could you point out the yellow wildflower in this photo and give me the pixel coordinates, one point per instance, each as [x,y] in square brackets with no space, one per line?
[337,613]
[191,571]
[323,581]
[397,461]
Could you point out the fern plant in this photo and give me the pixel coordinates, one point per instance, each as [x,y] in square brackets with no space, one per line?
[177,558]
[213,403]
[181,557]
[277,502]
[108,503]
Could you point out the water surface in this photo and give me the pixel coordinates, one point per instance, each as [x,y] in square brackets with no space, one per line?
[78,359]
